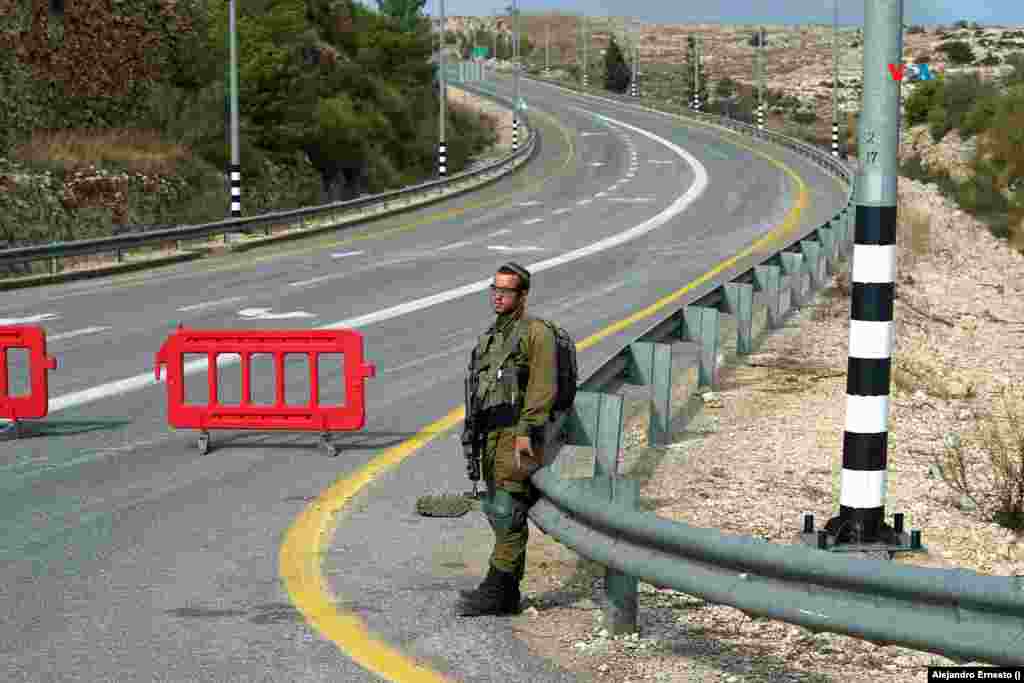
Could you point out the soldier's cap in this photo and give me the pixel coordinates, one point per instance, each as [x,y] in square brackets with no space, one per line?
[523,273]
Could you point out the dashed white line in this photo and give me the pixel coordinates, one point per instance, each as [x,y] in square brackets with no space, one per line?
[588,133]
[500,232]
[210,304]
[584,202]
[310,281]
[631,199]
[75,333]
[600,194]
[532,221]
[265,314]
[597,163]
[343,254]
[30,320]
[660,161]
[561,211]
[454,246]
[523,248]
[530,203]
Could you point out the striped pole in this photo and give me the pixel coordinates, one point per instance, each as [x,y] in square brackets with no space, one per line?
[865,439]
[515,132]
[236,191]
[835,139]
[442,159]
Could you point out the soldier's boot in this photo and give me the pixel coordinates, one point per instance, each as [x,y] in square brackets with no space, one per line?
[498,599]
[492,579]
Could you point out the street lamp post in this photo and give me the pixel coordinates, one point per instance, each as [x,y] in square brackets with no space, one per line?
[442,147]
[235,169]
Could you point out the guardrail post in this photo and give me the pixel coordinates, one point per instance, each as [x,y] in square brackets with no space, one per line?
[811,249]
[766,279]
[120,255]
[701,325]
[739,299]
[621,590]
[828,242]
[651,365]
[53,265]
[792,265]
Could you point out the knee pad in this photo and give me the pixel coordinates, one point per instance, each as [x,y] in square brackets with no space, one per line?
[505,513]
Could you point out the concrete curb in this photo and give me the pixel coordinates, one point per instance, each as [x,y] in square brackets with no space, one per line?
[89,273]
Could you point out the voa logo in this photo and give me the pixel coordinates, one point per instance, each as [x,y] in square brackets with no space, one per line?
[916,72]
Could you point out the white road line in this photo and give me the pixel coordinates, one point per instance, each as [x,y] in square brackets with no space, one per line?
[210,304]
[515,249]
[597,163]
[310,281]
[532,221]
[504,231]
[561,211]
[600,194]
[588,133]
[631,199]
[30,320]
[700,183]
[265,314]
[630,175]
[584,202]
[530,203]
[343,254]
[75,333]
[660,161]
[454,246]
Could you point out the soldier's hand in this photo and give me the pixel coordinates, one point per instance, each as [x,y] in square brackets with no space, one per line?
[523,447]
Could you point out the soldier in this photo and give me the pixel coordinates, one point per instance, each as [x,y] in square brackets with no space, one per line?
[516,390]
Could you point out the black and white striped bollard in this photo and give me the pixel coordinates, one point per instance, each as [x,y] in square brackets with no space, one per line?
[236,190]
[835,139]
[442,159]
[515,133]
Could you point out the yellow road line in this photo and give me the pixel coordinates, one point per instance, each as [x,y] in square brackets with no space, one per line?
[312,531]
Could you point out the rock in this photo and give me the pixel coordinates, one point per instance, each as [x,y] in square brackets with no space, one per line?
[603,668]
[966,504]
[603,633]
[711,399]
[957,389]
[531,611]
[919,396]
[580,645]
[732,679]
[965,414]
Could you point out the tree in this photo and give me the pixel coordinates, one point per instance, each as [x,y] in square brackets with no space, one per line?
[406,12]
[616,71]
[688,75]
[725,88]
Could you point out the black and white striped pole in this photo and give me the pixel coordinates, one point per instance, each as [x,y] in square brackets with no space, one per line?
[442,148]
[586,44]
[696,72]
[835,78]
[547,51]
[861,519]
[760,78]
[235,168]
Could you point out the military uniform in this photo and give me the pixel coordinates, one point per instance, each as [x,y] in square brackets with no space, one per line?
[517,385]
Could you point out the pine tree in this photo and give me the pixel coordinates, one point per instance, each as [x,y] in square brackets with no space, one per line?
[616,70]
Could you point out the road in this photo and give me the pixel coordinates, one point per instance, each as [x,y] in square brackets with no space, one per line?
[127,556]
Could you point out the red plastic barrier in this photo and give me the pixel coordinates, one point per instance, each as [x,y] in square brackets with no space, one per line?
[311,417]
[37,403]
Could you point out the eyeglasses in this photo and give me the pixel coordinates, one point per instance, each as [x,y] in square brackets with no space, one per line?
[502,291]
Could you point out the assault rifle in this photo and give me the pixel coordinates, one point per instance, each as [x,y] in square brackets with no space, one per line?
[471,436]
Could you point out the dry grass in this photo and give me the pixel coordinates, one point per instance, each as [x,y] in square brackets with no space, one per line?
[989,468]
[137,149]
[913,238]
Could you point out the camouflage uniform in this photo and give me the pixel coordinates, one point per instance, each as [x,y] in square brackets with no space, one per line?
[515,402]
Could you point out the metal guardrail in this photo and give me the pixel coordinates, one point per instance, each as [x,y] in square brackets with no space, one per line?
[589,506]
[291,218]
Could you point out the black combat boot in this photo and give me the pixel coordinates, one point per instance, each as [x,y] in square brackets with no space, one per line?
[493,579]
[499,598]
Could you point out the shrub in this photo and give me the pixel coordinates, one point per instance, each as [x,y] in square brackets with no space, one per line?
[805,117]
[958,51]
[980,117]
[991,60]
[988,469]
[960,93]
[923,59]
[937,123]
[914,168]
[925,96]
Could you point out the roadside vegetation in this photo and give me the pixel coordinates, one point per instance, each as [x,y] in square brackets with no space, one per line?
[117,115]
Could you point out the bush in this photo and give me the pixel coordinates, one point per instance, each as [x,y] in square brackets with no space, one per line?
[988,469]
[958,51]
[923,59]
[925,96]
[805,117]
[960,93]
[979,118]
[914,168]
[991,60]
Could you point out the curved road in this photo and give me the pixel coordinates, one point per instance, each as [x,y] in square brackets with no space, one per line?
[127,556]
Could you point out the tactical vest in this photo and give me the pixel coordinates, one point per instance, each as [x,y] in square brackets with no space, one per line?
[502,371]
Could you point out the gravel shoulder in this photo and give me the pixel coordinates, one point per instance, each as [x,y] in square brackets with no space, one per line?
[754,460]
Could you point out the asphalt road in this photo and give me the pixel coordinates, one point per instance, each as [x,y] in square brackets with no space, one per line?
[127,556]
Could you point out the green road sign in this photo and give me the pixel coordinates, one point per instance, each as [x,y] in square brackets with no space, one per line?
[480,52]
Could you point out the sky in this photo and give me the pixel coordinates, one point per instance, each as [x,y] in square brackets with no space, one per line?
[985,12]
